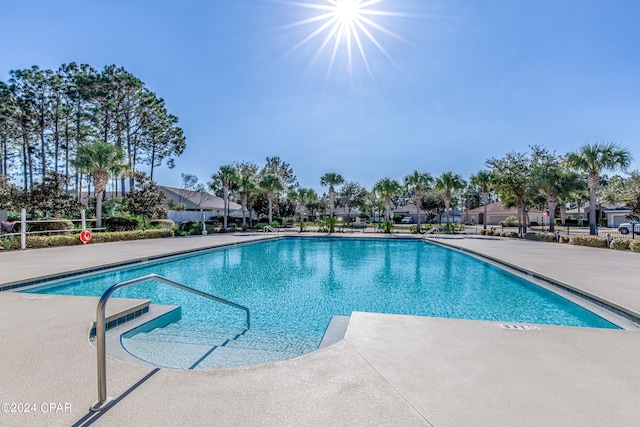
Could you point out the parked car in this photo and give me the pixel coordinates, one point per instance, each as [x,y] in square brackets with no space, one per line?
[625,228]
[361,224]
[407,220]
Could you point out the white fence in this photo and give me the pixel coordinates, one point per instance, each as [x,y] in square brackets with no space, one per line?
[180,216]
[24,225]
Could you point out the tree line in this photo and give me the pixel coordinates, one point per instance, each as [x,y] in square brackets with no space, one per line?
[58,127]
[46,116]
[540,178]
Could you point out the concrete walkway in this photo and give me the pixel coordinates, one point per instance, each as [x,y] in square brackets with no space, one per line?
[389,370]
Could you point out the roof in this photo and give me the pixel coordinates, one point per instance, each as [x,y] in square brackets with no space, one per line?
[498,208]
[343,211]
[602,206]
[197,199]
[408,208]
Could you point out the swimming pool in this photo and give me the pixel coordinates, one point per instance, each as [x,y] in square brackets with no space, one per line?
[293,287]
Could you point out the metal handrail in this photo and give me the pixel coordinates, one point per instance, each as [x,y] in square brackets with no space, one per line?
[270,229]
[434,230]
[104,401]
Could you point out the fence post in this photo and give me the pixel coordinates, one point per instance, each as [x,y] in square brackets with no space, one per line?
[82,218]
[23,228]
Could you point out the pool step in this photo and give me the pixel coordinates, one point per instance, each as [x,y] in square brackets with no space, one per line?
[165,354]
[231,357]
[177,333]
[228,353]
[177,345]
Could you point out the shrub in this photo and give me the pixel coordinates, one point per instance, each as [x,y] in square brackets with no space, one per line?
[588,240]
[483,232]
[510,221]
[511,234]
[162,223]
[620,244]
[9,243]
[130,235]
[451,227]
[563,238]
[49,225]
[634,245]
[189,228]
[541,237]
[121,224]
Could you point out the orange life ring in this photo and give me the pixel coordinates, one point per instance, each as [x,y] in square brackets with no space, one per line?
[85,236]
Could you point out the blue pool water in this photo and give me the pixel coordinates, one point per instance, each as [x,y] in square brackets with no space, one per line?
[293,287]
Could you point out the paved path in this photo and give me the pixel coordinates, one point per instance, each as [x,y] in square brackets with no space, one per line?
[389,370]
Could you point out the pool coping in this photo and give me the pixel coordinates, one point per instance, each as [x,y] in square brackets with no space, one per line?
[42,280]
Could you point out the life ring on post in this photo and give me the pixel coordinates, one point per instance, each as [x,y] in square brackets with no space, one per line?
[85,236]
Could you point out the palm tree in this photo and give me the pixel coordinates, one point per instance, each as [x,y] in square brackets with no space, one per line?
[271,183]
[483,180]
[592,160]
[301,197]
[100,160]
[546,176]
[331,179]
[416,182]
[387,188]
[449,182]
[247,175]
[225,179]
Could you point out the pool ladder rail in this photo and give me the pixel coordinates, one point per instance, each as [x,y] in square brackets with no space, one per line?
[270,229]
[433,231]
[104,401]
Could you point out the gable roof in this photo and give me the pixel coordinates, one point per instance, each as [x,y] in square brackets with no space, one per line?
[197,199]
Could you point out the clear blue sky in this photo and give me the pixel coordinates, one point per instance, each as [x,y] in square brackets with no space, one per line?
[466,80]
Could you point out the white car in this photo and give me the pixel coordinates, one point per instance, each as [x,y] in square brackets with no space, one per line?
[626,227]
[407,220]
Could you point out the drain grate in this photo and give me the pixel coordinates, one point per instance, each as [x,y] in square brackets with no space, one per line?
[521,327]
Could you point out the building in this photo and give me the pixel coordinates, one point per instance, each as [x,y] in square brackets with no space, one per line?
[497,213]
[614,214]
[198,205]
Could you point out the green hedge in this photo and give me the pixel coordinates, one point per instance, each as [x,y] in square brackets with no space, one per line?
[187,228]
[36,242]
[588,240]
[620,244]
[511,234]
[541,237]
[634,245]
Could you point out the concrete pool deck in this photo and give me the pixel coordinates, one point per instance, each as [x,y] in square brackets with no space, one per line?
[388,370]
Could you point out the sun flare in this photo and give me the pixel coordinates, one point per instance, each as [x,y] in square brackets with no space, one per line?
[347,11]
[346,28]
